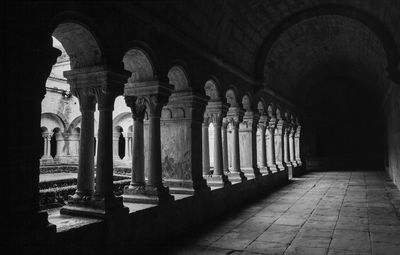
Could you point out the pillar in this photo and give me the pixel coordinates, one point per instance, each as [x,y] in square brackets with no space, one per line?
[279,145]
[115,145]
[271,147]
[286,150]
[205,148]
[85,182]
[102,85]
[183,129]
[153,96]
[225,161]
[297,145]
[292,146]
[262,125]
[215,112]
[248,144]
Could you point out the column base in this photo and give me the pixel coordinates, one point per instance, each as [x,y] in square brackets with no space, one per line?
[147,195]
[188,187]
[236,176]
[264,170]
[251,173]
[218,181]
[94,207]
[273,168]
[281,166]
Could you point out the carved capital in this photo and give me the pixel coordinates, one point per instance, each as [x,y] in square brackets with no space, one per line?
[87,98]
[137,105]
[105,98]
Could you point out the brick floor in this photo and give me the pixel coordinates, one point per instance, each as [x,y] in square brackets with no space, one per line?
[320,213]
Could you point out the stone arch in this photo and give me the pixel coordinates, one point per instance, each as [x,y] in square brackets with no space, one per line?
[232,96]
[213,89]
[76,124]
[139,62]
[178,77]
[52,121]
[80,43]
[124,120]
[379,29]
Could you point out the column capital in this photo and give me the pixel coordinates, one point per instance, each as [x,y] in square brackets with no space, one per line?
[138,107]
[154,94]
[216,111]
[87,98]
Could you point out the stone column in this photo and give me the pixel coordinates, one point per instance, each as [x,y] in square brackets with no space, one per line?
[225,161]
[248,145]
[292,146]
[154,95]
[115,146]
[262,125]
[137,180]
[271,146]
[279,145]
[215,111]
[60,147]
[297,145]
[205,148]
[102,84]
[128,146]
[104,196]
[234,116]
[286,149]
[85,182]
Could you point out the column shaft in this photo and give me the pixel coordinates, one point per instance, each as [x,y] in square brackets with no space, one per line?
[206,149]
[271,148]
[137,154]
[263,148]
[104,170]
[217,149]
[236,149]
[225,165]
[86,160]
[154,158]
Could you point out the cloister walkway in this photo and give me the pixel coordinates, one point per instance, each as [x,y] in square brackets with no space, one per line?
[319,213]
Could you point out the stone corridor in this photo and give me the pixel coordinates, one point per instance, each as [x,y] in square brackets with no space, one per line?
[319,213]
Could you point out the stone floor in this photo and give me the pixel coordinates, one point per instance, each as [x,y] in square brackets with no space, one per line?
[320,213]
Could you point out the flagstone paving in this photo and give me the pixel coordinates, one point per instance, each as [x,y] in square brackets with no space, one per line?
[319,213]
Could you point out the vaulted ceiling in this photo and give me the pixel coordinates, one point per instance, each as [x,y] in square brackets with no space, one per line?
[288,44]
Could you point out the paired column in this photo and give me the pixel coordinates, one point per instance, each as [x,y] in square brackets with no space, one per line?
[248,145]
[150,97]
[101,85]
[286,149]
[215,112]
[46,145]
